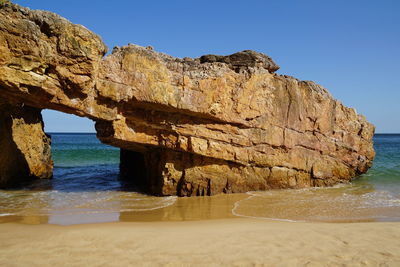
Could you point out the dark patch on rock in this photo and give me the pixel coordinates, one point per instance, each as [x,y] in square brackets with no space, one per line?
[243,59]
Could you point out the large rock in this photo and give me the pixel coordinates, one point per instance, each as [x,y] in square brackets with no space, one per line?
[203,126]
[25,149]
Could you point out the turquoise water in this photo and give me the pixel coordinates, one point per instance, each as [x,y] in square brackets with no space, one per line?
[83,163]
[385,173]
[73,150]
[86,188]
[82,157]
[374,196]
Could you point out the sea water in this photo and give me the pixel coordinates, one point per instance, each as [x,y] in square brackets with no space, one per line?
[374,196]
[86,189]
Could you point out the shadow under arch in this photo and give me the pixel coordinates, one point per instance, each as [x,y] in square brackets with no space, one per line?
[82,163]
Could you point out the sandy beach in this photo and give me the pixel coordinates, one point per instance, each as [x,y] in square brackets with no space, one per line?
[199,133]
[229,242]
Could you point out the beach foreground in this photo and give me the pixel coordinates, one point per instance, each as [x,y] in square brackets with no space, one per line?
[233,242]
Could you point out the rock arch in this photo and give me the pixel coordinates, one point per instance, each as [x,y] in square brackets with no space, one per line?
[201,126]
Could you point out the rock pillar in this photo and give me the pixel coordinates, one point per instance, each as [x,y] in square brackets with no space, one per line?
[25,151]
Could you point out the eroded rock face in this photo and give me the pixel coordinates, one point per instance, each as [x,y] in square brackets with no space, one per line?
[220,129]
[25,148]
[204,126]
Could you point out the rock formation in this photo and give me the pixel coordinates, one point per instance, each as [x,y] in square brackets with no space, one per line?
[25,149]
[189,126]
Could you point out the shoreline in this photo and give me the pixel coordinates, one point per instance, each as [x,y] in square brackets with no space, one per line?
[233,242]
[339,204]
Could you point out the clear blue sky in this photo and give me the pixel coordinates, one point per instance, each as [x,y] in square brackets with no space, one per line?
[351,47]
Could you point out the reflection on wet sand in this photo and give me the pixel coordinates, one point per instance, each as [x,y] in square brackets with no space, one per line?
[189,209]
[21,207]
[86,189]
[68,208]
[346,203]
[320,205]
[26,219]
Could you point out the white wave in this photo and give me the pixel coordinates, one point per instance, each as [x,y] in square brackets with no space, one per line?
[6,214]
[169,202]
[235,213]
[160,203]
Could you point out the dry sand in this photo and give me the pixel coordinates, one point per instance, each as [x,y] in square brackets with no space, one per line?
[233,242]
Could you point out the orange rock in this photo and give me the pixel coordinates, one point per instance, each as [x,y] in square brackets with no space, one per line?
[204,126]
[25,148]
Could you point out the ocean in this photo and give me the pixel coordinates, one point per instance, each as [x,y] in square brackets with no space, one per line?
[86,189]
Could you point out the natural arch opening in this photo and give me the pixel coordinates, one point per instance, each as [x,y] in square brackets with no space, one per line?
[59,122]
[82,162]
[87,184]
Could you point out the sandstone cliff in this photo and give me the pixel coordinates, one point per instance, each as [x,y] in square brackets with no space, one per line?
[188,126]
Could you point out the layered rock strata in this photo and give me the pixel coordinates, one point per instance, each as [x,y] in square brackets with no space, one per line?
[190,126]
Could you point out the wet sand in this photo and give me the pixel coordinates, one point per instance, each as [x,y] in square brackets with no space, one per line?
[336,204]
[230,242]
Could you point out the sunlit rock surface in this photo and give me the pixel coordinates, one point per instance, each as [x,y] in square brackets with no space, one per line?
[25,151]
[198,126]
